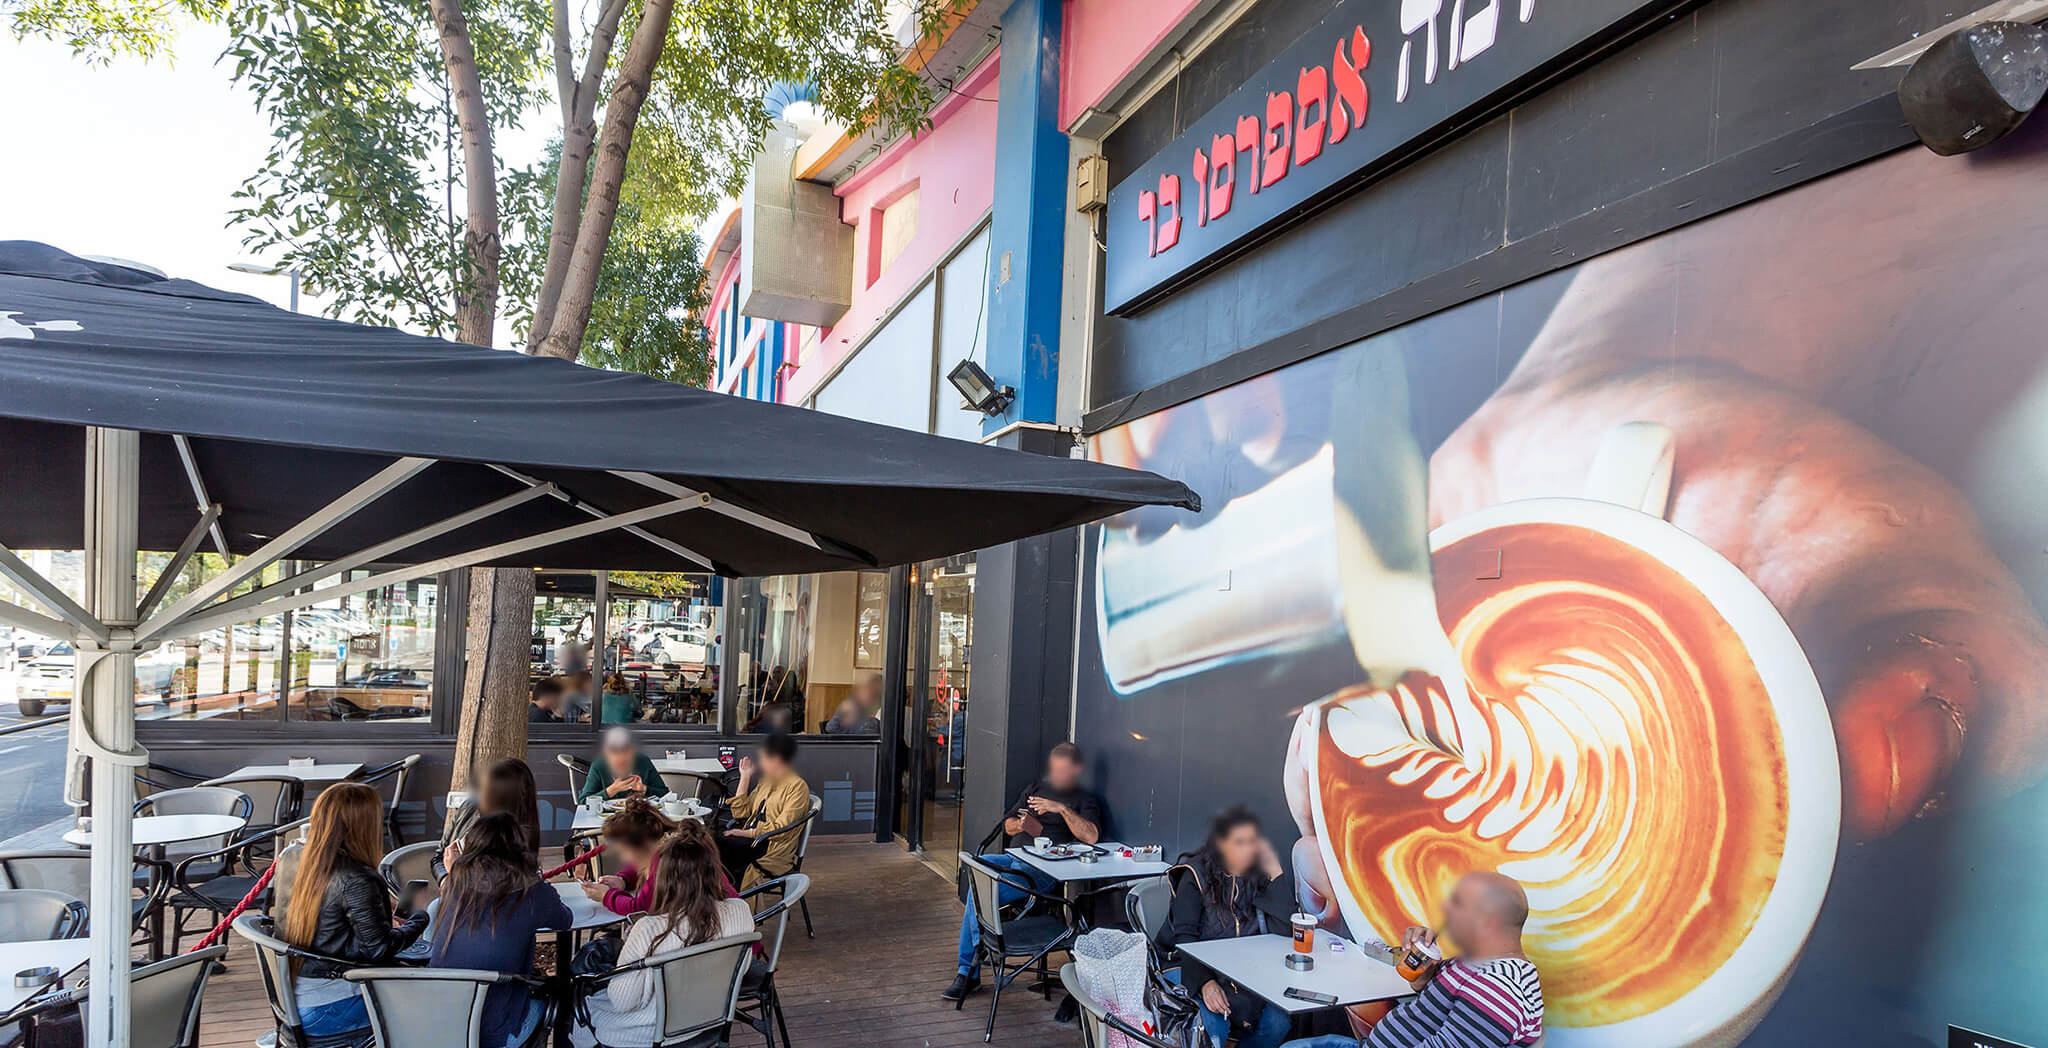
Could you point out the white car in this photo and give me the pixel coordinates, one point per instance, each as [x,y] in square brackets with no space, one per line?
[666,642]
[47,680]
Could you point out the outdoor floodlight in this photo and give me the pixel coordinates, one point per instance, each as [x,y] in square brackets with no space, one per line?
[981,391]
[1975,86]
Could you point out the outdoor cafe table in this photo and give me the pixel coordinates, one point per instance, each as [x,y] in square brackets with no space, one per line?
[588,821]
[65,955]
[307,773]
[1107,869]
[696,767]
[153,830]
[1355,975]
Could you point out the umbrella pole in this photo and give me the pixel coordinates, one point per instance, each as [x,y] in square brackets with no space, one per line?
[106,702]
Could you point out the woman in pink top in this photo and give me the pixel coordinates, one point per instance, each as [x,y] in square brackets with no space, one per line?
[632,836]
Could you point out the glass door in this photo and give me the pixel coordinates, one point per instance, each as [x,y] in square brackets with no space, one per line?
[934,759]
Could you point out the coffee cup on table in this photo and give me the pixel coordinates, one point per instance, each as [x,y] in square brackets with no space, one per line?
[1041,843]
[1304,925]
[1626,693]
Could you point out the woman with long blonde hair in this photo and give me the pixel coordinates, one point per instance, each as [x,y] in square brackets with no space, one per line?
[341,907]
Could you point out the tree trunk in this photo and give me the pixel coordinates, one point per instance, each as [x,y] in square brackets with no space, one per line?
[579,133]
[476,301]
[493,713]
[629,92]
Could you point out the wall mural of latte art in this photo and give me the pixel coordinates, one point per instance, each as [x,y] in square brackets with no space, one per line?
[1618,755]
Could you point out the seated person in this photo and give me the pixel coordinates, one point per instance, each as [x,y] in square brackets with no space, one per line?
[576,697]
[492,906]
[1055,807]
[775,718]
[546,707]
[849,720]
[618,705]
[633,836]
[508,787]
[689,907]
[771,795]
[349,916]
[1232,886]
[621,770]
[1487,997]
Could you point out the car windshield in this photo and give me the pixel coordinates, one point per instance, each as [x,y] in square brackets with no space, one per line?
[62,647]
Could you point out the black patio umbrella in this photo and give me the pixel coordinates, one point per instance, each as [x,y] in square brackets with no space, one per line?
[127,399]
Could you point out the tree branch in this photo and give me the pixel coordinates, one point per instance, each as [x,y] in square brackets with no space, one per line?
[476,310]
[579,130]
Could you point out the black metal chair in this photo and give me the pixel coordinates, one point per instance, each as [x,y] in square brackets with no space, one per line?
[579,771]
[392,777]
[70,871]
[759,1005]
[412,873]
[164,1000]
[1033,936]
[276,799]
[228,875]
[803,828]
[161,777]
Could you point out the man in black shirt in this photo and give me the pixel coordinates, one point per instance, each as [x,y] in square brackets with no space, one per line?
[1055,807]
[546,707]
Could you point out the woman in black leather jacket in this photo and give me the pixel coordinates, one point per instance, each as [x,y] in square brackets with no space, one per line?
[349,916]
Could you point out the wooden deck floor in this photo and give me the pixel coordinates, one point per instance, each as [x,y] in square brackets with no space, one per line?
[887,932]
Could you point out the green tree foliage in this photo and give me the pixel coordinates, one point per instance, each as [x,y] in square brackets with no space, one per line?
[97,30]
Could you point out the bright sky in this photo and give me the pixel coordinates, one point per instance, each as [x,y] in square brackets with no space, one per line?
[140,160]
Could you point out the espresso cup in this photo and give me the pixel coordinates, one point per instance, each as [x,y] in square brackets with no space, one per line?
[1603,649]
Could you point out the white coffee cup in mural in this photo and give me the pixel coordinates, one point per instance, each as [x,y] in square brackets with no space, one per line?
[1637,738]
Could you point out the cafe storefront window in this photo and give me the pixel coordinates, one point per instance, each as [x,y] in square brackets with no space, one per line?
[659,663]
[811,652]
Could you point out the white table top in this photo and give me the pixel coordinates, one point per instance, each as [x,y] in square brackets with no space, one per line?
[700,766]
[585,911]
[166,829]
[1105,868]
[65,955]
[587,820]
[1259,963]
[338,772]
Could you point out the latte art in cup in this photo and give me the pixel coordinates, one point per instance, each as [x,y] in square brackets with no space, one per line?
[1619,754]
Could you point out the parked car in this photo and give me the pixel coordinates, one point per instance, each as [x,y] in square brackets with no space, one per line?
[47,680]
[666,642]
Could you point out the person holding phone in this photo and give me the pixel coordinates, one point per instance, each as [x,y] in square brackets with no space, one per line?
[1487,997]
[621,770]
[771,797]
[1230,887]
[1056,807]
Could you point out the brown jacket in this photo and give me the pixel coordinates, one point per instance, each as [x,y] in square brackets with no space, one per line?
[765,808]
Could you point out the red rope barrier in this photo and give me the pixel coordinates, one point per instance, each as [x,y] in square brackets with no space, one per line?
[247,901]
[549,875]
[264,882]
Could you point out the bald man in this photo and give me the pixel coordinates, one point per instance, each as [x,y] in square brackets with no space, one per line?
[1487,997]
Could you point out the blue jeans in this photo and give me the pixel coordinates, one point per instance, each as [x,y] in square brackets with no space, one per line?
[970,929]
[341,1016]
[1268,1031]
[1328,1040]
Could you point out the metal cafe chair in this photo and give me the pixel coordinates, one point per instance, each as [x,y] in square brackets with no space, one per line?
[802,827]
[276,799]
[164,1000]
[70,871]
[699,995]
[1146,906]
[417,1007]
[275,958]
[578,768]
[230,873]
[1033,937]
[759,1005]
[197,800]
[394,776]
[1096,1022]
[411,870]
[35,914]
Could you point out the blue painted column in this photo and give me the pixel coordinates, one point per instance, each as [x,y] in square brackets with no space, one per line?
[1028,226]
[1021,659]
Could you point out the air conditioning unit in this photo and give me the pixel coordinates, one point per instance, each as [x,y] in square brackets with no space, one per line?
[796,256]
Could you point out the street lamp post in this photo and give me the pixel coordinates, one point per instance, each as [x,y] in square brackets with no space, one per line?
[261,270]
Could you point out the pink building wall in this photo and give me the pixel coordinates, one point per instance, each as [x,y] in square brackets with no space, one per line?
[1104,40]
[952,165]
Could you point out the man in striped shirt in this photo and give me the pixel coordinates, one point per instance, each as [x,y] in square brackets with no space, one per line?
[1487,998]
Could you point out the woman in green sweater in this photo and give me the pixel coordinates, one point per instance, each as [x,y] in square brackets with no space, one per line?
[621,771]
